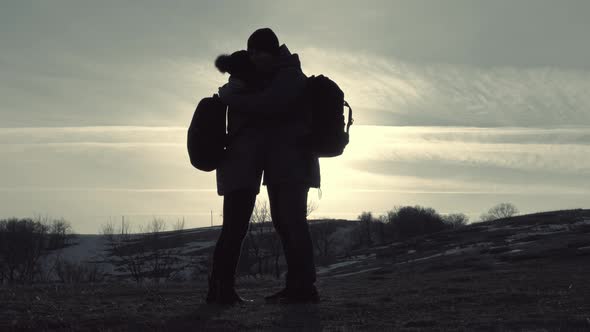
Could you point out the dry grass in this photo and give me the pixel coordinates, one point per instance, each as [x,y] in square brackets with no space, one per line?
[541,288]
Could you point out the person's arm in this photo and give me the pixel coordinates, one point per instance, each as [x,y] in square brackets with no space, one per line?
[234,86]
[285,87]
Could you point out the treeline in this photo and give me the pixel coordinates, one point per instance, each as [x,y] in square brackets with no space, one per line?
[398,224]
[262,252]
[30,248]
[31,252]
[23,244]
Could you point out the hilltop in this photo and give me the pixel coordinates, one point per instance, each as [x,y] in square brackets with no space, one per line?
[525,273]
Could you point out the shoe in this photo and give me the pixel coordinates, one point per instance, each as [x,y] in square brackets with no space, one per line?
[223,292]
[282,294]
[287,296]
[230,297]
[303,296]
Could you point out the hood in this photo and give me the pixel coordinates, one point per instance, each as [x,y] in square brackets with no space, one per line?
[286,59]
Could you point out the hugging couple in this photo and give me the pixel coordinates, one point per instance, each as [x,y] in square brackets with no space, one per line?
[266,134]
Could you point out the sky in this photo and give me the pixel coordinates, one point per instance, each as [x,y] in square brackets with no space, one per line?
[458,105]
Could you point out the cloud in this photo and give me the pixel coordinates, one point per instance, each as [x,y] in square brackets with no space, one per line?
[475,146]
[76,91]
[462,63]
[87,173]
[526,33]
[387,91]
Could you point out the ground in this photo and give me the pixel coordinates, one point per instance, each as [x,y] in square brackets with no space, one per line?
[519,275]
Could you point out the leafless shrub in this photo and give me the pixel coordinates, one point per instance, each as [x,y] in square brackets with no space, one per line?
[341,241]
[260,229]
[72,272]
[22,244]
[150,253]
[455,220]
[499,211]
[60,234]
[366,219]
[178,226]
[321,236]
[124,249]
[163,255]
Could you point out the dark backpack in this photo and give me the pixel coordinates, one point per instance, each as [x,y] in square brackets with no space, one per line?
[329,132]
[206,137]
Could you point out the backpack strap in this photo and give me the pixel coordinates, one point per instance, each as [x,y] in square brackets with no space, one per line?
[350,119]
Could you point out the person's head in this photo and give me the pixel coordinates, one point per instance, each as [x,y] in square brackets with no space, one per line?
[238,65]
[263,47]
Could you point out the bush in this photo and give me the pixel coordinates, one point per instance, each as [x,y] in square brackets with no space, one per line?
[500,211]
[70,272]
[409,221]
[455,220]
[22,243]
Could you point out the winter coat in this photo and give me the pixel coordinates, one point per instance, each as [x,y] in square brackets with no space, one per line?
[267,132]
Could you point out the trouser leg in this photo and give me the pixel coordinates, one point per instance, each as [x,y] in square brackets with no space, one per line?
[281,229]
[237,209]
[288,204]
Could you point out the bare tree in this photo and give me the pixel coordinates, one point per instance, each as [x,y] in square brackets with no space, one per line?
[155,254]
[69,272]
[22,244]
[125,250]
[380,227]
[455,220]
[341,241]
[257,232]
[164,259]
[321,236]
[366,219]
[499,211]
[150,253]
[178,225]
[59,233]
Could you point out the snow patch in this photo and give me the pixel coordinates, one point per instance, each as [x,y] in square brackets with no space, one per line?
[356,272]
[325,269]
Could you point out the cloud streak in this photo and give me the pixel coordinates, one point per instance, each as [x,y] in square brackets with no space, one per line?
[385,90]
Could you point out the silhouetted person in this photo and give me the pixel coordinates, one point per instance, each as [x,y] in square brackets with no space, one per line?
[267,135]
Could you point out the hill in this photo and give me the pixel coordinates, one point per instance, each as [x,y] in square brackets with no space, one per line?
[526,273]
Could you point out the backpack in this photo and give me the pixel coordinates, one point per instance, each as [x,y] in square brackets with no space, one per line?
[329,132]
[206,138]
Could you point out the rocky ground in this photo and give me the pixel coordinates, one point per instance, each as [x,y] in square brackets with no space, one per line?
[525,273]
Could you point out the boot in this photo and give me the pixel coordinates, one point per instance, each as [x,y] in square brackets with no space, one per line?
[303,295]
[227,293]
[223,292]
[287,295]
[278,296]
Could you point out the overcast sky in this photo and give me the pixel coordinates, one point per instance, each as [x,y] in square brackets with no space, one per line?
[95,97]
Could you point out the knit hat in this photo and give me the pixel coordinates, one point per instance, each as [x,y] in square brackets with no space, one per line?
[235,64]
[264,39]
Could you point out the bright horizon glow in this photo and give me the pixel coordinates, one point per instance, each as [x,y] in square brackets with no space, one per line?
[430,166]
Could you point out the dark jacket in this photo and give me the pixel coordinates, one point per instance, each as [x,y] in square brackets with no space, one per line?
[268,131]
